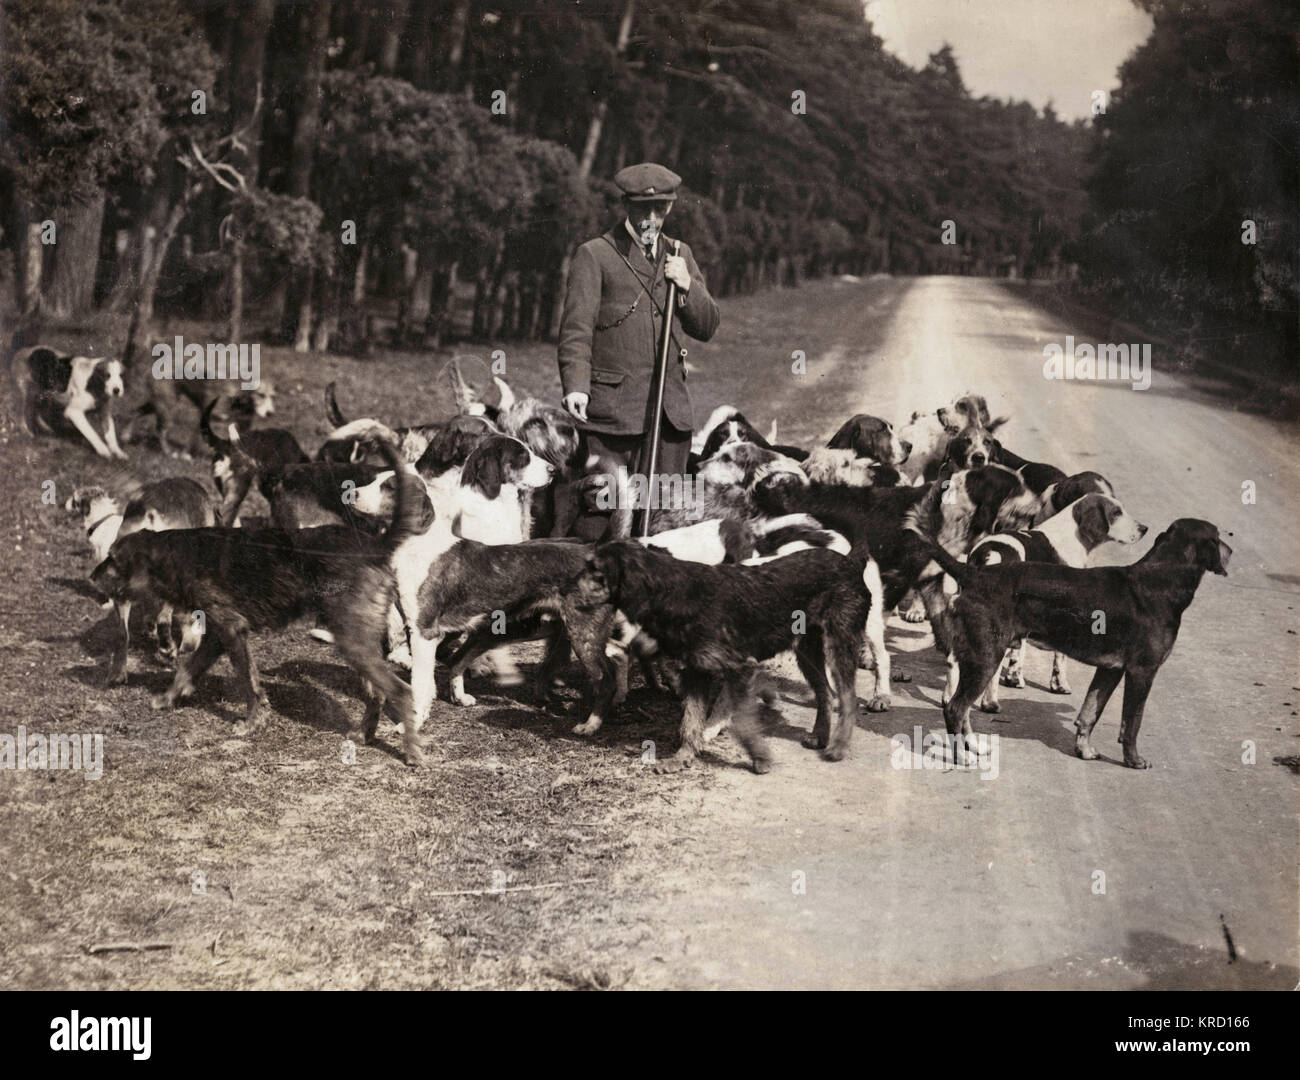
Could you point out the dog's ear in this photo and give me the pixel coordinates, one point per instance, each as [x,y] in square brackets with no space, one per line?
[987,489]
[521,455]
[483,470]
[880,445]
[1213,555]
[846,438]
[1093,519]
[957,451]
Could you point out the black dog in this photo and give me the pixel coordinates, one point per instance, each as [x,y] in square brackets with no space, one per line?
[719,621]
[254,456]
[244,580]
[1061,607]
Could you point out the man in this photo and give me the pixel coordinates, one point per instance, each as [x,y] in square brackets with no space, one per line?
[610,333]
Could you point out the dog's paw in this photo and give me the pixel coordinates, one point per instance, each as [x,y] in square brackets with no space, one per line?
[1084,750]
[833,753]
[914,612]
[1059,686]
[463,698]
[1136,761]
[1015,679]
[990,706]
[814,742]
[414,753]
[764,765]
[160,701]
[879,703]
[587,727]
[674,764]
[401,656]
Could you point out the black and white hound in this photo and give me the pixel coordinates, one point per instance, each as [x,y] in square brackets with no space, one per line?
[58,392]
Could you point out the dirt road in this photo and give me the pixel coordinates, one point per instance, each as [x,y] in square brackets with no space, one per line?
[1055,872]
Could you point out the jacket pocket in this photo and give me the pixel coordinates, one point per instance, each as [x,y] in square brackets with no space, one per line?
[607,390]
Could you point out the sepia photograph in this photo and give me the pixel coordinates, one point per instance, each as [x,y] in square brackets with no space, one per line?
[650,495]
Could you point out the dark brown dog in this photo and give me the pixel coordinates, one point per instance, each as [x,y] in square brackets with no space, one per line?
[718,622]
[244,580]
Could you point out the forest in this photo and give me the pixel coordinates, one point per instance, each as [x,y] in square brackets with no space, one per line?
[325,173]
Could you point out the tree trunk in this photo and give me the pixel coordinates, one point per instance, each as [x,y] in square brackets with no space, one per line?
[71,291]
[359,38]
[249,57]
[444,292]
[418,66]
[588,159]
[302,340]
[32,265]
[235,327]
[457,26]
[314,29]
[390,44]
[142,316]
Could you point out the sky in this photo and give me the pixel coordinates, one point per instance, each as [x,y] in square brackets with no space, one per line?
[1032,50]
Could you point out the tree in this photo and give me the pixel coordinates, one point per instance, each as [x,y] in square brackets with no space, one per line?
[71,129]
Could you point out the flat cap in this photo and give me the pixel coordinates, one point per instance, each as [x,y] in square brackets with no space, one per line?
[647,182]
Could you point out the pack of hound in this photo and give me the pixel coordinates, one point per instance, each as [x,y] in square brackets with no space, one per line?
[415,549]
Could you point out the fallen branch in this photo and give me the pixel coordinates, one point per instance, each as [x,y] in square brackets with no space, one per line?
[129,946]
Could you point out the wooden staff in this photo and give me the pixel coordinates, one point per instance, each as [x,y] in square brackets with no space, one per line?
[660,373]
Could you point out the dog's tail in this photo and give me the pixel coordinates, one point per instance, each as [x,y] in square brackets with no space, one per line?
[507,393]
[408,509]
[467,402]
[961,572]
[332,407]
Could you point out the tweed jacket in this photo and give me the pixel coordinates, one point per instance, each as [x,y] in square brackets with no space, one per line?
[608,347]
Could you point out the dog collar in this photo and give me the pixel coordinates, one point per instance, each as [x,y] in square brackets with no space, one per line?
[90,529]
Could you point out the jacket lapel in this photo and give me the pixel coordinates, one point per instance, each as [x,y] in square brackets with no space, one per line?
[635,255]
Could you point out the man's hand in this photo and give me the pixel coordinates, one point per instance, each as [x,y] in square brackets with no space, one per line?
[675,271]
[577,405]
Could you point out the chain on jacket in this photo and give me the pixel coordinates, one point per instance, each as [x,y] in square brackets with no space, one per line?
[621,319]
